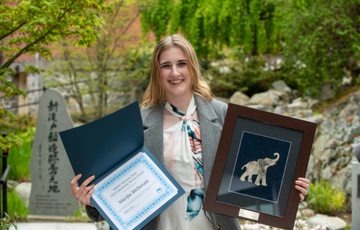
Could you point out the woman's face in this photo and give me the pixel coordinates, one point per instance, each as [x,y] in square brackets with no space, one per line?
[175,75]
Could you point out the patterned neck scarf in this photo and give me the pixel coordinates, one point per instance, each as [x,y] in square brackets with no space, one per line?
[189,125]
[184,117]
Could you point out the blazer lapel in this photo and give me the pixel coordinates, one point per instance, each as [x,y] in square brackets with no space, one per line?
[210,134]
[153,131]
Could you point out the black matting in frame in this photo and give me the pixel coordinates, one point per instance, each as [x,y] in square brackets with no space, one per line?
[253,140]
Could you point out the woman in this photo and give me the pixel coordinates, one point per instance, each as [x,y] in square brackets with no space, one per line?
[182,127]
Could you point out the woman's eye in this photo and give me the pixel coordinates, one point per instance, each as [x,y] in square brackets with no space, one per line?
[182,63]
[165,66]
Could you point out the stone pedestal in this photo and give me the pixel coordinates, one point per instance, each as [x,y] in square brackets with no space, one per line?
[356,195]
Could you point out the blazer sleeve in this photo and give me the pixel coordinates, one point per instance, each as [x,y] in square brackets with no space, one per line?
[93,214]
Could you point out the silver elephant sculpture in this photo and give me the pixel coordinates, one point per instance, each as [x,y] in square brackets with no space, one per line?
[259,167]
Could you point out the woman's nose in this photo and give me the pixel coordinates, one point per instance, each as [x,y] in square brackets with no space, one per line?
[175,71]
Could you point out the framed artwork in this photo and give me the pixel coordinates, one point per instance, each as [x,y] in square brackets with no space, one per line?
[259,157]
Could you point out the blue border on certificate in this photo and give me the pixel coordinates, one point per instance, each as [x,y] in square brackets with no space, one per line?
[139,160]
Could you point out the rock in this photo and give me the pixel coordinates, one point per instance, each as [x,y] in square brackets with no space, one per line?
[303,205]
[298,215]
[350,133]
[103,225]
[23,191]
[320,144]
[11,184]
[327,126]
[350,110]
[295,93]
[239,98]
[326,92]
[340,124]
[303,113]
[281,86]
[355,120]
[261,107]
[326,173]
[222,99]
[343,179]
[296,105]
[315,119]
[281,109]
[267,99]
[313,103]
[331,223]
[282,95]
[335,112]
[308,213]
[312,172]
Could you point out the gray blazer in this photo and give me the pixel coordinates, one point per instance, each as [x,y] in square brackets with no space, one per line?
[211,117]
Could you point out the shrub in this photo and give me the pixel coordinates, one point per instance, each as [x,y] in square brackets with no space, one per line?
[324,198]
[17,124]
[246,75]
[19,159]
[17,208]
[6,222]
[80,215]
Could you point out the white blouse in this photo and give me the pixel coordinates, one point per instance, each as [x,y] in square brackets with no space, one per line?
[183,160]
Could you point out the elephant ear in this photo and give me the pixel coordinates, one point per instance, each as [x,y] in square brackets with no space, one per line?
[263,162]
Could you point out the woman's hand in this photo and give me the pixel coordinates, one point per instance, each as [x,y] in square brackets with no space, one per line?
[302,185]
[84,192]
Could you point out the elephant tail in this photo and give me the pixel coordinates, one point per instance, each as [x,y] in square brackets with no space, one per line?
[244,166]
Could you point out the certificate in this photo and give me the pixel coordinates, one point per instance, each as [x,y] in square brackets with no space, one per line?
[131,186]
[133,192]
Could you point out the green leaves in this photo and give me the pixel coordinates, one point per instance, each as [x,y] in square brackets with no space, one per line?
[6,223]
[9,142]
[322,36]
[30,26]
[214,24]
[324,198]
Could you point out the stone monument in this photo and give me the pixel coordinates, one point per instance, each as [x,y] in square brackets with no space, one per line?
[356,189]
[50,167]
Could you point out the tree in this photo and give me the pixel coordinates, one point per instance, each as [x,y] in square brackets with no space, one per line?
[322,41]
[30,26]
[103,69]
[248,25]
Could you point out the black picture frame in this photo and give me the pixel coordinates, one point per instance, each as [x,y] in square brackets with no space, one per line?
[257,143]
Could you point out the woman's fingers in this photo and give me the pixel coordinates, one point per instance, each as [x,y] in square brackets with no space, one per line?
[301,197]
[305,183]
[88,195]
[83,186]
[302,185]
[82,193]
[73,184]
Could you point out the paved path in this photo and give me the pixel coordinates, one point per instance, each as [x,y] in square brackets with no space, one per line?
[55,226]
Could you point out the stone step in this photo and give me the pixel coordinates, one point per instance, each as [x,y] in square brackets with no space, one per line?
[55,226]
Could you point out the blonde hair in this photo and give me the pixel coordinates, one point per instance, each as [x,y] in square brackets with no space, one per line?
[155,93]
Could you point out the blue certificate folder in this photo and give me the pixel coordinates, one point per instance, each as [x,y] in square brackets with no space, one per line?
[102,146]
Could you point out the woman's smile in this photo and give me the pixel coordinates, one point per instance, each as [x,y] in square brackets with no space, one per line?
[175,82]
